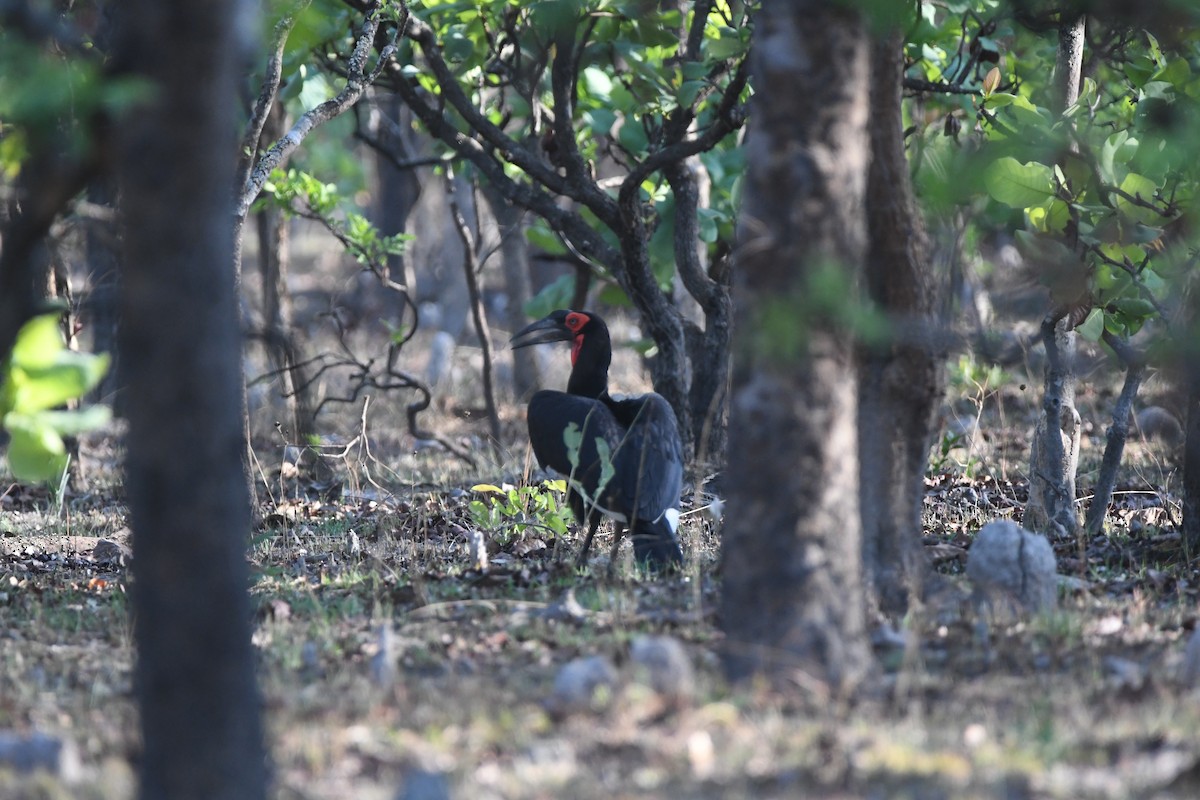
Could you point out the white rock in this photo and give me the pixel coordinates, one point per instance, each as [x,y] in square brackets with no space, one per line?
[662,663]
[1013,568]
[584,684]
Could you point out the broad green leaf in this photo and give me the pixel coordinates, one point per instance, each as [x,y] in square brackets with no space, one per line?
[1144,189]
[632,136]
[73,423]
[36,452]
[1018,185]
[597,83]
[73,375]
[38,343]
[554,296]
[1092,328]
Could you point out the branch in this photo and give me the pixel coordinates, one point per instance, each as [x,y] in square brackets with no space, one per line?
[512,151]
[1117,433]
[39,26]
[918,85]
[470,268]
[266,95]
[728,119]
[569,224]
[357,81]
[687,235]
[563,77]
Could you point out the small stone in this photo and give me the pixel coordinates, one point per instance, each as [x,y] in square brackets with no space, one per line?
[584,684]
[39,751]
[662,663]
[107,551]
[425,785]
[383,663]
[1013,568]
[1155,422]
[1189,668]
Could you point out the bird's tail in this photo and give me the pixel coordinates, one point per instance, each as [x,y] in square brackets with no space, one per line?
[655,546]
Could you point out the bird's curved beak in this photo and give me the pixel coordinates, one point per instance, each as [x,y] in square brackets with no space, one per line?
[541,332]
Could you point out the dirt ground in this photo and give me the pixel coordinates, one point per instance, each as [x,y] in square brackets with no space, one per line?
[390,662]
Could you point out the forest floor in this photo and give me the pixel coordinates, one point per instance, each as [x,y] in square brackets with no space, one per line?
[389,662]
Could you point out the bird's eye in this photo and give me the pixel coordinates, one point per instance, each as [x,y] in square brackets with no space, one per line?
[575,320]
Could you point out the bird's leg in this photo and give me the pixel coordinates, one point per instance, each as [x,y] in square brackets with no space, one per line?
[618,534]
[587,542]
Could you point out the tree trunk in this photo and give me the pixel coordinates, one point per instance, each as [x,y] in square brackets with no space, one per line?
[901,383]
[1054,453]
[514,263]
[399,188]
[1190,380]
[181,344]
[1191,468]
[100,306]
[792,606]
[274,254]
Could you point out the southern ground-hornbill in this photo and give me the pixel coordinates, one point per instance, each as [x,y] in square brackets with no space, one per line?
[644,463]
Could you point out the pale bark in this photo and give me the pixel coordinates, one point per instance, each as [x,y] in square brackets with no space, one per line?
[358,79]
[1118,432]
[793,601]
[1054,454]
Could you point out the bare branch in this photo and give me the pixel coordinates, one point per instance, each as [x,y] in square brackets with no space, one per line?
[470,269]
[357,81]
[266,95]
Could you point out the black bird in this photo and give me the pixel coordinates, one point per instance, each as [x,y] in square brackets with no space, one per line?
[643,464]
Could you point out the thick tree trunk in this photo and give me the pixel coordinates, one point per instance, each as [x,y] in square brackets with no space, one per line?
[181,344]
[900,383]
[793,600]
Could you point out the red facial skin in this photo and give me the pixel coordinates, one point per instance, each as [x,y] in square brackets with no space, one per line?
[576,321]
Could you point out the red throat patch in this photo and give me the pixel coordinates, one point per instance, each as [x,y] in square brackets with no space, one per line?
[575,347]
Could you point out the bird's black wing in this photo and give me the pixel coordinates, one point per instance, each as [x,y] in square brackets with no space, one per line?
[550,415]
[649,461]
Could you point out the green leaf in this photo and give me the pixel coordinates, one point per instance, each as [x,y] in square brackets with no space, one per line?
[73,375]
[554,296]
[632,136]
[1143,188]
[1018,185]
[36,452]
[73,423]
[1092,328]
[597,83]
[38,343]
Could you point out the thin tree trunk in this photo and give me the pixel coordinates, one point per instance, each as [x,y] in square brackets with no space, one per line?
[1116,435]
[1191,469]
[1190,380]
[100,307]
[793,600]
[1054,454]
[274,253]
[181,342]
[514,263]
[482,331]
[900,383]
